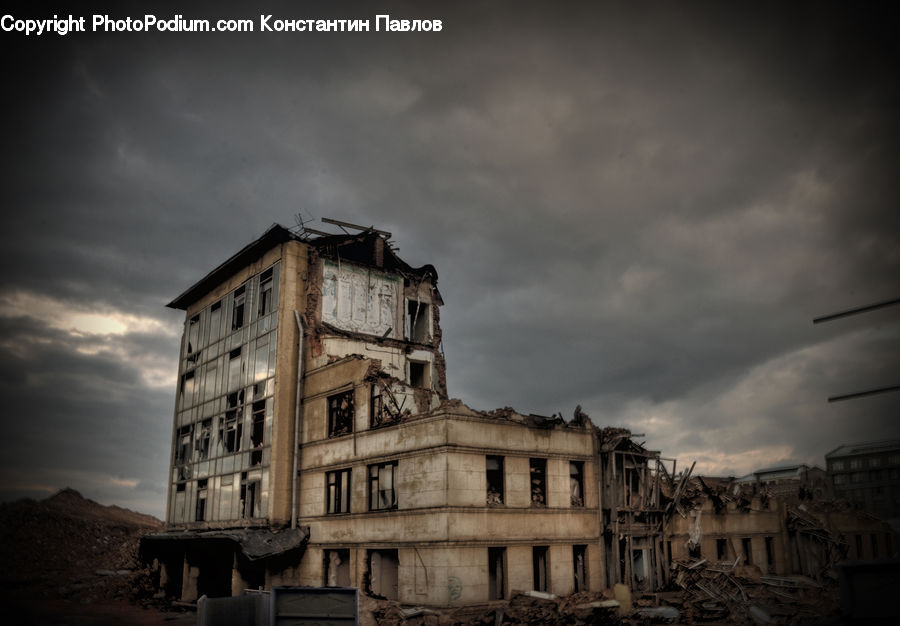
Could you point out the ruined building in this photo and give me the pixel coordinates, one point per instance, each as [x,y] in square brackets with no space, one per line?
[314,444]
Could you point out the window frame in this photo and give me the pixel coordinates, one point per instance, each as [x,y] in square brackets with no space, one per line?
[337,482]
[332,416]
[373,481]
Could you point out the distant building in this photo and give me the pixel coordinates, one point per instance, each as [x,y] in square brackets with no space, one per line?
[868,474]
[801,479]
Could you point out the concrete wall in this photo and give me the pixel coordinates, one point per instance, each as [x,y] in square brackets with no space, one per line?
[450,575]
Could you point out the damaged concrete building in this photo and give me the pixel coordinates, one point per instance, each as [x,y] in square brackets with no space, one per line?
[314,444]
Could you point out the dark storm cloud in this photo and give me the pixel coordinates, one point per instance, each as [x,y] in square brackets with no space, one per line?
[638,208]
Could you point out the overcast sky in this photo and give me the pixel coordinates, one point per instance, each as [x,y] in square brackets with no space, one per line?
[638,208]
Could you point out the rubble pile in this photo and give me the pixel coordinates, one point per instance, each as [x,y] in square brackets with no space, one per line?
[72,548]
[740,594]
[530,607]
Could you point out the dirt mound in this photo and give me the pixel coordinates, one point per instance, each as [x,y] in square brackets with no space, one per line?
[70,547]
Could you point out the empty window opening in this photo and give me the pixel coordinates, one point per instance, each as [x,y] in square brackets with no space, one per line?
[338,486]
[184,444]
[237,308]
[204,439]
[230,431]
[377,413]
[200,512]
[337,568]
[258,426]
[383,567]
[770,554]
[538,472]
[417,321]
[721,549]
[539,567]
[579,564]
[419,374]
[746,548]
[494,476]
[382,492]
[639,565]
[265,292]
[859,544]
[193,338]
[250,497]
[576,482]
[874,546]
[694,550]
[340,413]
[496,577]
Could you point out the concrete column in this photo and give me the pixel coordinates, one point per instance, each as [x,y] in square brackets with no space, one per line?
[190,574]
[238,584]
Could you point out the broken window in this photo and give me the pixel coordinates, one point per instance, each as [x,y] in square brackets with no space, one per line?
[250,497]
[494,476]
[746,549]
[237,308]
[721,549]
[538,471]
[420,374]
[383,405]
[257,431]
[338,486]
[231,427]
[382,492]
[576,482]
[579,564]
[183,444]
[187,389]
[496,577]
[193,335]
[377,413]
[265,292]
[337,568]
[258,427]
[417,314]
[539,567]
[204,438]
[382,570]
[340,413]
[200,512]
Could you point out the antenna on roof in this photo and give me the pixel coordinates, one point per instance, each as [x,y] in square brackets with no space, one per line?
[342,226]
[300,226]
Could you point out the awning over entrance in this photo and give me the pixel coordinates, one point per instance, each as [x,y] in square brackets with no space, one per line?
[255,543]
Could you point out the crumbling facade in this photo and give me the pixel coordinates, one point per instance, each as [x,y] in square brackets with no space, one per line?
[314,443]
